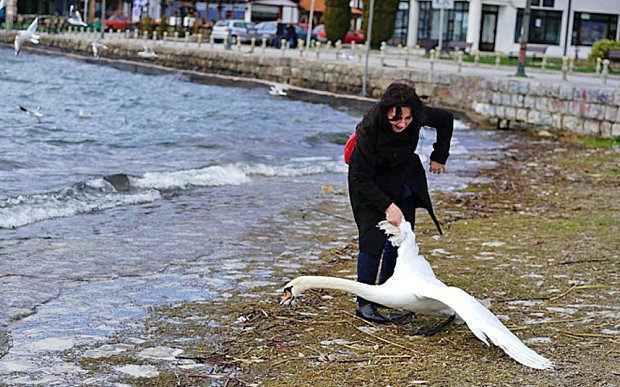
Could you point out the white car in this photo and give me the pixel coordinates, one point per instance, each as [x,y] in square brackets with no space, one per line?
[239,29]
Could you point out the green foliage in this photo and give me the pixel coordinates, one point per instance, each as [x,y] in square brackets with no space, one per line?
[337,19]
[149,25]
[601,48]
[383,20]
[163,26]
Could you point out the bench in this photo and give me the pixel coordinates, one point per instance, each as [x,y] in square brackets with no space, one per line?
[427,44]
[613,55]
[530,49]
[454,45]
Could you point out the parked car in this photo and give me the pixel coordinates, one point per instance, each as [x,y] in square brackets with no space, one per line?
[351,36]
[239,29]
[117,22]
[275,32]
[302,32]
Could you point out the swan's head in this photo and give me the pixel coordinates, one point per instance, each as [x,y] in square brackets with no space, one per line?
[292,290]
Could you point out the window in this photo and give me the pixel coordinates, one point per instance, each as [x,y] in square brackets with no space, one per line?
[454,22]
[544,26]
[590,27]
[399,36]
[545,3]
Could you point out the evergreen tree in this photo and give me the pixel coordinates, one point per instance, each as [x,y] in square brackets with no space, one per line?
[337,19]
[383,20]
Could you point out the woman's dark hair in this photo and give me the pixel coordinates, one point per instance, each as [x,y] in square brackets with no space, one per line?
[397,95]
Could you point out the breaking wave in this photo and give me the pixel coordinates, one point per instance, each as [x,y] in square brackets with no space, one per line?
[121,190]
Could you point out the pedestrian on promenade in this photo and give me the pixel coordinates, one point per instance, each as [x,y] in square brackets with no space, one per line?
[387,179]
[291,35]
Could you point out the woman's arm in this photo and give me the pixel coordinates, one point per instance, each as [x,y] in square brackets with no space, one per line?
[443,122]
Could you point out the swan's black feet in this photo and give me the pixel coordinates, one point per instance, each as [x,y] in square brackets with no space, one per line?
[369,312]
[431,331]
[399,317]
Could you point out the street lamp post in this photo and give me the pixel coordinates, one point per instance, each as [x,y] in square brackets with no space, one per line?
[102,19]
[525,30]
[310,20]
[368,36]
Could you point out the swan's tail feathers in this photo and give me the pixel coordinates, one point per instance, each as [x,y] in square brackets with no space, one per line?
[393,232]
[486,327]
[526,356]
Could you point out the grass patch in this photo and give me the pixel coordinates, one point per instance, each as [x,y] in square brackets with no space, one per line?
[599,142]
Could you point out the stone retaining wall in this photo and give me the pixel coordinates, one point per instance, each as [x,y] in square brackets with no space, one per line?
[506,103]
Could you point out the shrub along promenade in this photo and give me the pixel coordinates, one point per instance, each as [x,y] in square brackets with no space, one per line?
[556,100]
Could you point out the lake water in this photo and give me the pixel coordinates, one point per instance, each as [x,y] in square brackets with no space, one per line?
[205,166]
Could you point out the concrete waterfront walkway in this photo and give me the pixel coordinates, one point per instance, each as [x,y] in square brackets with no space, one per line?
[395,58]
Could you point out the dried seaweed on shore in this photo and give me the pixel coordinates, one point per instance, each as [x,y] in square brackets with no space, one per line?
[539,240]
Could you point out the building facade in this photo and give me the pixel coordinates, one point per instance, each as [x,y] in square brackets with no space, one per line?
[566,27]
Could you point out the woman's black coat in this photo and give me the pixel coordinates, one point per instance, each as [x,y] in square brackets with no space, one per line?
[382,161]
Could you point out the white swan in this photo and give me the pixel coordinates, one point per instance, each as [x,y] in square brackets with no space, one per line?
[414,287]
[277,90]
[28,34]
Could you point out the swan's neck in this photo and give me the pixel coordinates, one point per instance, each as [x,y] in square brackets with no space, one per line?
[369,292]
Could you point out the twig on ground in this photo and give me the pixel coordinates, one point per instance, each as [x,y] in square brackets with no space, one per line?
[580,335]
[543,298]
[359,318]
[522,327]
[578,287]
[324,212]
[386,341]
[278,362]
[582,261]
[524,299]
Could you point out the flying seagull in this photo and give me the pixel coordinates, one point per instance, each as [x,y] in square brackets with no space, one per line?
[277,90]
[97,47]
[413,287]
[147,53]
[35,113]
[27,35]
[75,18]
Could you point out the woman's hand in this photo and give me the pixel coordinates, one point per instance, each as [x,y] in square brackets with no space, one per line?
[437,167]
[394,215]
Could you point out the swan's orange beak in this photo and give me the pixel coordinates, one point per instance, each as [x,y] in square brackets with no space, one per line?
[287,296]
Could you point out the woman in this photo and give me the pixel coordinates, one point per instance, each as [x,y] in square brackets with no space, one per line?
[387,179]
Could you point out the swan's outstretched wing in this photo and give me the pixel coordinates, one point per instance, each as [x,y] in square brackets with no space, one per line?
[32,28]
[18,43]
[484,324]
[419,276]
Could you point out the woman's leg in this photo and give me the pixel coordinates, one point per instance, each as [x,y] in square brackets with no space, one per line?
[367,268]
